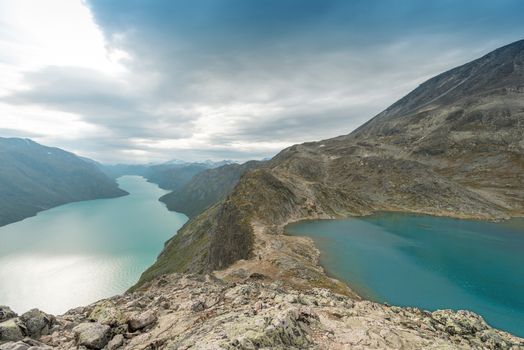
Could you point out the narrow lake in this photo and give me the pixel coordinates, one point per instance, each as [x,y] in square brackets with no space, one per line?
[77,253]
[428,262]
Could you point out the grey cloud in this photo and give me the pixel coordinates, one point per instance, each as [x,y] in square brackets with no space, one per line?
[7,132]
[99,100]
[280,71]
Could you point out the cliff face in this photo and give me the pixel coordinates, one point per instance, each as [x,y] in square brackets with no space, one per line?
[34,178]
[454,147]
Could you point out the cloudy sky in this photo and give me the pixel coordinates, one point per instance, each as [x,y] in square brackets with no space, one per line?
[150,80]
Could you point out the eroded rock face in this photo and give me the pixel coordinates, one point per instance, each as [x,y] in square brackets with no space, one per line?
[255,315]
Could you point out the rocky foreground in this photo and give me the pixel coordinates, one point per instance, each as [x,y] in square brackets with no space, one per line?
[202,312]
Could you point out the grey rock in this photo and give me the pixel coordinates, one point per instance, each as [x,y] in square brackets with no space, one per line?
[37,323]
[116,342]
[92,335]
[11,330]
[28,344]
[6,313]
[107,313]
[142,320]
[198,306]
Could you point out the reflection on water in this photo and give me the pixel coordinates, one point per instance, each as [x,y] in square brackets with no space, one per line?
[78,253]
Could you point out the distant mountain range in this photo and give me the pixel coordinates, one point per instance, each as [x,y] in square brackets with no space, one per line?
[206,188]
[208,163]
[35,178]
[454,147]
[170,175]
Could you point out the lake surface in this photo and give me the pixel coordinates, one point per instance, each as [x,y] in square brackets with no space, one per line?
[428,262]
[78,253]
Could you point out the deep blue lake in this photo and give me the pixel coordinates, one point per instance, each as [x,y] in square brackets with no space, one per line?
[81,252]
[428,262]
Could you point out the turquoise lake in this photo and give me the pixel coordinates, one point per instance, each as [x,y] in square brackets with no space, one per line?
[428,262]
[80,252]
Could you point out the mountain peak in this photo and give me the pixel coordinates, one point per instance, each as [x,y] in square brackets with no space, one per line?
[498,73]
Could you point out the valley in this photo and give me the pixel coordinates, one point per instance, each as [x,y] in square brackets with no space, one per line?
[231,278]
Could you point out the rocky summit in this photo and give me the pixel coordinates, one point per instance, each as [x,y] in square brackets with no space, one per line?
[201,312]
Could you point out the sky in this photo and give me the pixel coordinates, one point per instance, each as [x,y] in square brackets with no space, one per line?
[136,81]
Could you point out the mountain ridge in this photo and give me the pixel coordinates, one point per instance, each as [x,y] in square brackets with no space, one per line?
[34,177]
[462,158]
[206,188]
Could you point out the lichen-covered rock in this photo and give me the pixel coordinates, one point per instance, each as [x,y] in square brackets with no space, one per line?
[287,329]
[37,323]
[92,335]
[460,322]
[6,313]
[106,313]
[11,330]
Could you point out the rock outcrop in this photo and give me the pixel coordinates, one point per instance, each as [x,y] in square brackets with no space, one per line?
[201,312]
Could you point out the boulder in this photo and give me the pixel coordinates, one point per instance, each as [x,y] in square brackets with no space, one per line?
[28,344]
[6,313]
[107,313]
[37,323]
[11,330]
[142,320]
[116,342]
[92,335]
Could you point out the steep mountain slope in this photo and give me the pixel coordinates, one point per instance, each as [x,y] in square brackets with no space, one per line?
[34,178]
[206,188]
[454,147]
[173,176]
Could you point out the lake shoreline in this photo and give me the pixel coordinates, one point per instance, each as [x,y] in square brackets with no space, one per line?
[359,288]
[94,249]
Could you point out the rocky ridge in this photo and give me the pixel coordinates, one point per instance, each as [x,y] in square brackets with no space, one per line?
[206,188]
[452,147]
[201,312]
